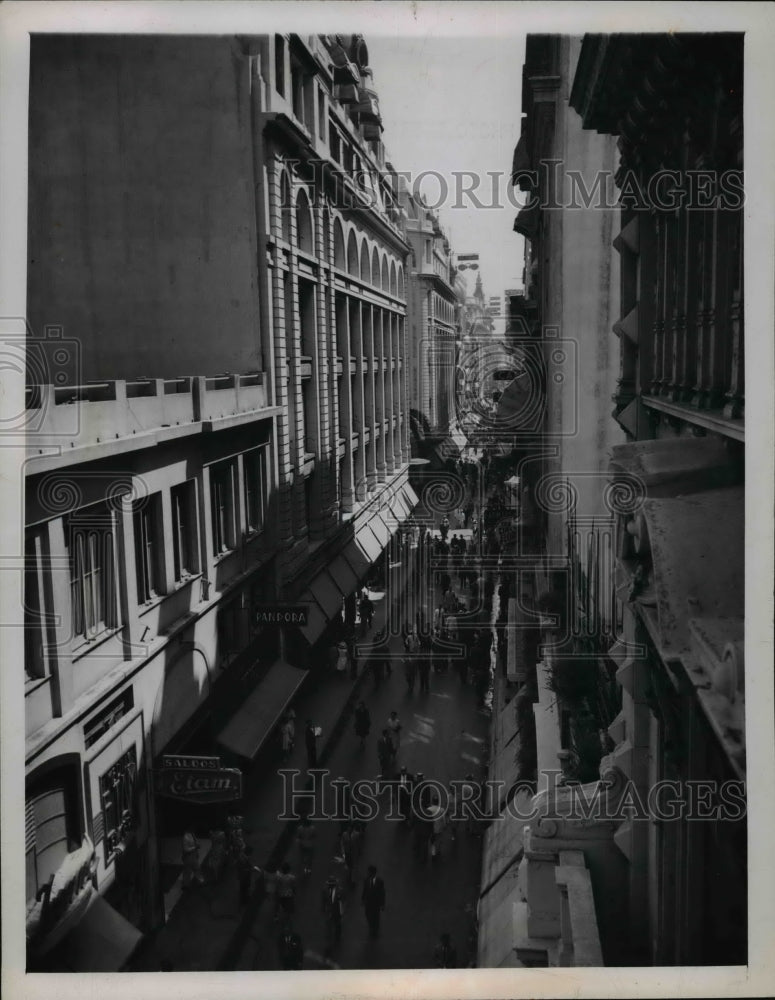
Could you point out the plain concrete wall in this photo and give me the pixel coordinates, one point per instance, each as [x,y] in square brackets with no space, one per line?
[141,217]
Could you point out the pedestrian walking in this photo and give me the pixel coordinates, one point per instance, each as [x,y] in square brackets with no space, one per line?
[246,873]
[311,734]
[438,822]
[349,844]
[362,722]
[444,954]
[285,893]
[373,899]
[366,611]
[444,528]
[305,837]
[290,950]
[288,734]
[424,669]
[385,753]
[333,911]
[190,858]
[404,788]
[410,672]
[215,861]
[394,729]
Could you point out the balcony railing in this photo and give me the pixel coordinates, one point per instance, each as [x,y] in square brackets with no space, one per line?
[78,416]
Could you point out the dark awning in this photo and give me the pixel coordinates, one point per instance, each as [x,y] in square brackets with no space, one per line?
[526,223]
[102,941]
[247,730]
[520,166]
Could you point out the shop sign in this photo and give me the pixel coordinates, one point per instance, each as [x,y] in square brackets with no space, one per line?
[282,614]
[205,786]
[191,762]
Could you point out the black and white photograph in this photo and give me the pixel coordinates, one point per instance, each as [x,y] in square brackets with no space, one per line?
[382,540]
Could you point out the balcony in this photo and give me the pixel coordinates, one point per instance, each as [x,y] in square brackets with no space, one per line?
[100,413]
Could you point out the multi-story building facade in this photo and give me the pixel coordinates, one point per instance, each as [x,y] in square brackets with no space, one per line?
[233,223]
[433,318]
[335,277]
[639,691]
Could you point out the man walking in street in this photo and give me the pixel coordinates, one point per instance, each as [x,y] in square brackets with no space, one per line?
[404,786]
[311,743]
[333,910]
[394,730]
[385,753]
[362,721]
[286,893]
[290,950]
[373,899]
[246,870]
[445,954]
[305,836]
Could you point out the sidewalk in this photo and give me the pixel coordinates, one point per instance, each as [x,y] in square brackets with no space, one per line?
[208,928]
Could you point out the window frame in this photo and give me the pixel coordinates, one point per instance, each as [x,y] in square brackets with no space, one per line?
[185,531]
[255,460]
[222,507]
[94,606]
[148,528]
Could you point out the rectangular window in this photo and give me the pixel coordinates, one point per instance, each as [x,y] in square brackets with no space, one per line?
[185,534]
[334,142]
[148,548]
[428,251]
[34,631]
[321,113]
[254,467]
[117,795]
[92,573]
[222,500]
[279,64]
[297,91]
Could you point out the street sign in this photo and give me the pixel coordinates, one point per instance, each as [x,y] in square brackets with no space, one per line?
[203,786]
[282,614]
[191,762]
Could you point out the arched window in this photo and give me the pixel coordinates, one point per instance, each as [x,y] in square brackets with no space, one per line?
[285,207]
[340,260]
[400,282]
[375,268]
[365,269]
[352,255]
[385,278]
[305,239]
[393,280]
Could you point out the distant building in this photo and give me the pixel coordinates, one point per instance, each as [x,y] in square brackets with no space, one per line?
[433,319]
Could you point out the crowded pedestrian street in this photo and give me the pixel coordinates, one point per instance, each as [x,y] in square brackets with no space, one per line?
[444,736]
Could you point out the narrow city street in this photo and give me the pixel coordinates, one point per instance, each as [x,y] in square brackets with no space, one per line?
[444,736]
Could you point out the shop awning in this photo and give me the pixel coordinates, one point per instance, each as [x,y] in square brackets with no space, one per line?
[102,941]
[326,592]
[368,543]
[247,730]
[347,570]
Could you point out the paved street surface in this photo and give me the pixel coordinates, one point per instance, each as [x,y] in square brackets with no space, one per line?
[444,736]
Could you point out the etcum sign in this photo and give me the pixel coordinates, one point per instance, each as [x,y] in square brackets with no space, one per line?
[200,785]
[282,614]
